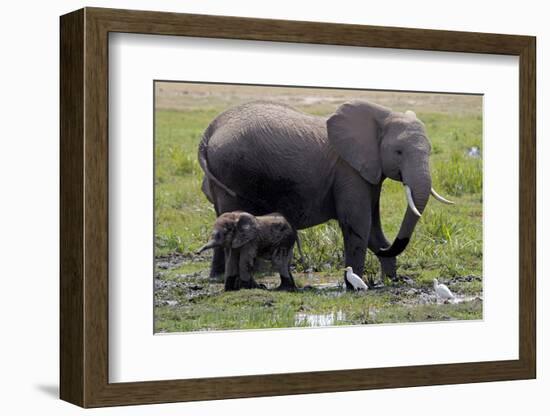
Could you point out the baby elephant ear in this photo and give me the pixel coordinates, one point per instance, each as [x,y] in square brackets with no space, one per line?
[353,131]
[246,230]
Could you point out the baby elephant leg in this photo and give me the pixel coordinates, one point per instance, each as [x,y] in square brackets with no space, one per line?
[231,269]
[284,258]
[246,267]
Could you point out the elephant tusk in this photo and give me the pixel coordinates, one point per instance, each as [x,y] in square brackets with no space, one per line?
[440,198]
[410,201]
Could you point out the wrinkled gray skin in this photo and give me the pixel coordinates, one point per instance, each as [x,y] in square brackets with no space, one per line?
[262,157]
[244,238]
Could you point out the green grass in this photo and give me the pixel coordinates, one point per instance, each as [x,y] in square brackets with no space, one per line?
[447,241]
[183,215]
[261,309]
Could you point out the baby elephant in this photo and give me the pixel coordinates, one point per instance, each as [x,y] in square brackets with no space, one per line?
[244,238]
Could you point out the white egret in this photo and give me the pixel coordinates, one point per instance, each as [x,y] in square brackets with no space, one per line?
[442,291]
[354,280]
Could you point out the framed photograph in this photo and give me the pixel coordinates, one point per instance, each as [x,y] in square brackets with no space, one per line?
[255,207]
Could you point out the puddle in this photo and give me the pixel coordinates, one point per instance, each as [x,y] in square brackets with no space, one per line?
[328,319]
[474,152]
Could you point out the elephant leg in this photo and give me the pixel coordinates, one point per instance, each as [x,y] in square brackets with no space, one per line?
[231,269]
[388,267]
[378,240]
[231,283]
[354,197]
[246,267]
[283,262]
[217,266]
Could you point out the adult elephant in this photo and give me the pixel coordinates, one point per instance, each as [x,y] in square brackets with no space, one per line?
[262,157]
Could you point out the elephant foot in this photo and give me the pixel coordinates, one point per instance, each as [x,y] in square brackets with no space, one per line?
[287,285]
[248,284]
[286,288]
[230,283]
[370,283]
[388,267]
[392,276]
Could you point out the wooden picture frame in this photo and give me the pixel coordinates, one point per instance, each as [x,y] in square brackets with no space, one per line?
[84,207]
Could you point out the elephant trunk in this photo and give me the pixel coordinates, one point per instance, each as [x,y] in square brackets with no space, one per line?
[207,246]
[417,187]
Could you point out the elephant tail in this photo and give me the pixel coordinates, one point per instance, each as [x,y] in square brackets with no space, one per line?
[203,162]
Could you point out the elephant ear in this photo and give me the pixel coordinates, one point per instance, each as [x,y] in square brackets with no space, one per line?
[246,230]
[353,130]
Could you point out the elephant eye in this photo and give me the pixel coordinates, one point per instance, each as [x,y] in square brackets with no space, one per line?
[399,152]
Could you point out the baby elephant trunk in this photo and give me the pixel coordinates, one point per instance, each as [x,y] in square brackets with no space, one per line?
[207,246]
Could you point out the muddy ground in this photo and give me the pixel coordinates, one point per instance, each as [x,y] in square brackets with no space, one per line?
[183,288]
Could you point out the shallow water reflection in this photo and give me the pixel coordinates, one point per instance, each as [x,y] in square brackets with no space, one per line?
[328,319]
